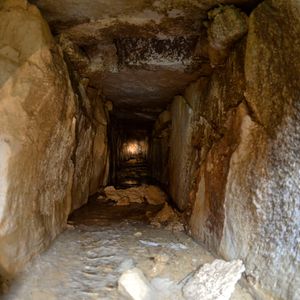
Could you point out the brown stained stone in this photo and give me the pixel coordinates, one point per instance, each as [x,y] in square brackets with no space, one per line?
[247,202]
[208,214]
[126,46]
[153,89]
[228,25]
[37,124]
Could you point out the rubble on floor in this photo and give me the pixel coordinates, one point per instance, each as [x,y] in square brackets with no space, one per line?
[214,281]
[97,256]
[168,217]
[151,194]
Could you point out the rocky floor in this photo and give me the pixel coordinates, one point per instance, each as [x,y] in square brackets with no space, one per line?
[102,242]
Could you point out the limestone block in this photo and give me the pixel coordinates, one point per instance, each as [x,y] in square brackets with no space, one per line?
[159,148]
[272,61]
[37,126]
[228,25]
[91,155]
[215,281]
[247,203]
[264,169]
[180,151]
[83,160]
[134,285]
[100,166]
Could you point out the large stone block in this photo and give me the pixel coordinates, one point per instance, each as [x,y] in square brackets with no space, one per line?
[262,202]
[91,155]
[247,203]
[36,136]
[180,151]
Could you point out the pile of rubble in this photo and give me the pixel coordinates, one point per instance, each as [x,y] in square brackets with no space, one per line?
[152,195]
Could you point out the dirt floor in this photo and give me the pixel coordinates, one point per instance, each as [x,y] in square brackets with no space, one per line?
[103,241]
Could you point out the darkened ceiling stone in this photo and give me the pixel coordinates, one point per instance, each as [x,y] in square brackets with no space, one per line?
[140,53]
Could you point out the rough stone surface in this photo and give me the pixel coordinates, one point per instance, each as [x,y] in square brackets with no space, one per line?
[264,170]
[86,262]
[141,53]
[228,25]
[180,151]
[36,136]
[215,281]
[145,193]
[91,155]
[167,217]
[247,201]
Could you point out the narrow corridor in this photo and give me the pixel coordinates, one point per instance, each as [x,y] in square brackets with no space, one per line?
[149,149]
[104,240]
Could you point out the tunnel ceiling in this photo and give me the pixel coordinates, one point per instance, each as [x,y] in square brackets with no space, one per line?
[139,53]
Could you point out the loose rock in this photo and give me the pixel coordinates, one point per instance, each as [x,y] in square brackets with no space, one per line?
[215,281]
[145,193]
[134,284]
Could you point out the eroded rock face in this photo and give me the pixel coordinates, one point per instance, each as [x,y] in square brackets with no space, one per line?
[227,25]
[264,170]
[91,154]
[247,201]
[37,136]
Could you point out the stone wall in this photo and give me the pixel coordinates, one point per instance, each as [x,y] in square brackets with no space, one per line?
[246,202]
[53,143]
[159,148]
[37,136]
[91,154]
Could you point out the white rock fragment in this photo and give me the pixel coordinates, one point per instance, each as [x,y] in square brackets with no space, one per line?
[149,243]
[177,246]
[133,284]
[215,281]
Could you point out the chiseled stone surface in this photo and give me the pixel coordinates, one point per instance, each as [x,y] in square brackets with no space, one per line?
[91,155]
[250,175]
[37,136]
[215,281]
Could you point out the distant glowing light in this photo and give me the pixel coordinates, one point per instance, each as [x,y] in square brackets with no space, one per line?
[133,148]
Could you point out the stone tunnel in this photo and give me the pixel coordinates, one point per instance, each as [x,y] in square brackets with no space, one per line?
[150,149]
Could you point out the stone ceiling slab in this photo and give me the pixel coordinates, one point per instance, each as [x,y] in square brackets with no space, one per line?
[140,53]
